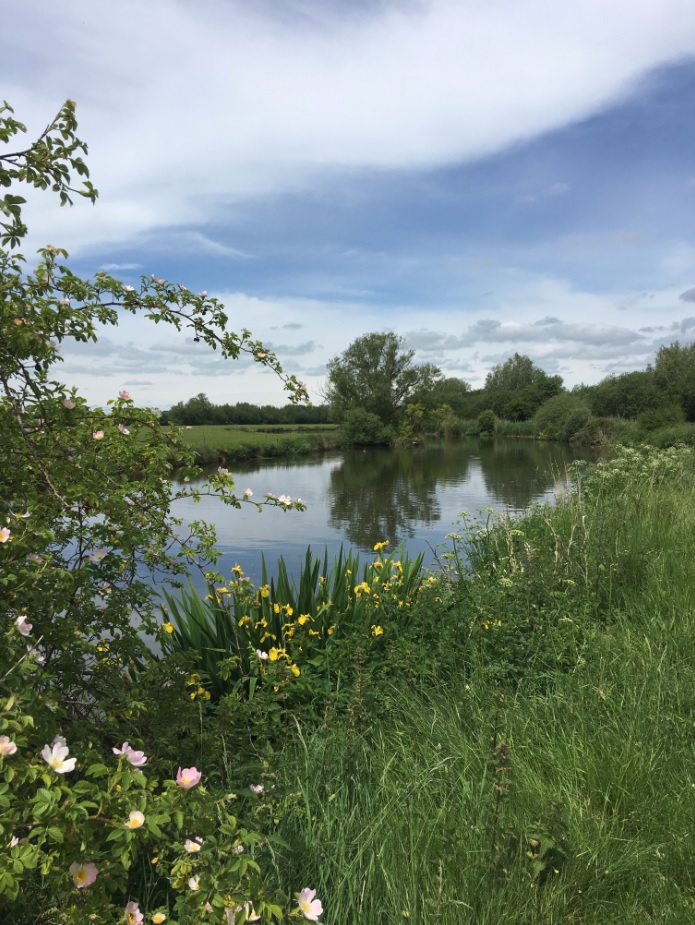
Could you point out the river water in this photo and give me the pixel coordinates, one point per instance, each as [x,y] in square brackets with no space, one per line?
[357,498]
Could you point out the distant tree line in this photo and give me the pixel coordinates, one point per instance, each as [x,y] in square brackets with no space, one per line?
[200,410]
[377,394]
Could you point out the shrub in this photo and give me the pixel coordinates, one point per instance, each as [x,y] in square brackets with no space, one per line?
[486,423]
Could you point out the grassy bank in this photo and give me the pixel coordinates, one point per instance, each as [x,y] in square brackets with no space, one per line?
[514,744]
[221,444]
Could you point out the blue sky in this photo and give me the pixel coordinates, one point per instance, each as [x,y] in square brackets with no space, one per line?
[482,178]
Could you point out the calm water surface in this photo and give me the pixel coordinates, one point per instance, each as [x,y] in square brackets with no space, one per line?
[359,497]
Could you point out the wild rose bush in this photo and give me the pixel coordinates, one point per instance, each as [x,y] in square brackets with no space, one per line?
[101,808]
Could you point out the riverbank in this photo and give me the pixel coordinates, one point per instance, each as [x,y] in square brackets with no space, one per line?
[220,444]
[509,743]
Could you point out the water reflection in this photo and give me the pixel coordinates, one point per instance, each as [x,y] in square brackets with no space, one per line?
[411,496]
[394,494]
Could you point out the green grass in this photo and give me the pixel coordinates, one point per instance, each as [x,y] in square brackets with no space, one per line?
[500,783]
[219,443]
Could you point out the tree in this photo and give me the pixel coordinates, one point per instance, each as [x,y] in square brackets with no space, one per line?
[627,395]
[674,374]
[376,374]
[518,378]
[86,526]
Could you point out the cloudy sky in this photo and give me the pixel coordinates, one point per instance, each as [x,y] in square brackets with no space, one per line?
[480,176]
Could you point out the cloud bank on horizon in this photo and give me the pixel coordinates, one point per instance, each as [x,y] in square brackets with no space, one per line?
[480,178]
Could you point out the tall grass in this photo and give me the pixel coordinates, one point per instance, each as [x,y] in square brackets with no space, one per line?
[484,796]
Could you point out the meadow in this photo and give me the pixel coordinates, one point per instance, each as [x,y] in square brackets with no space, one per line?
[214,443]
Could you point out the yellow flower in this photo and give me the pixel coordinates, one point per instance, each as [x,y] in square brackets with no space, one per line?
[169,627]
[289,610]
[274,654]
[295,670]
[265,591]
[276,608]
[331,630]
[377,630]
[314,633]
[244,621]
[379,546]
[237,570]
[303,619]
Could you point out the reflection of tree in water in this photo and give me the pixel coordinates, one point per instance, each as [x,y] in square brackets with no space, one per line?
[386,494]
[518,472]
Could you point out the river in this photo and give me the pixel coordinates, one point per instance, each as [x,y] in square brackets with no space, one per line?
[357,498]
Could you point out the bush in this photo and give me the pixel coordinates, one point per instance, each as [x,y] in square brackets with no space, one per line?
[486,423]
[561,417]
[362,428]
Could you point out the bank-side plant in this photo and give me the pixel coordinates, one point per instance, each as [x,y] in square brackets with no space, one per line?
[87,519]
[240,632]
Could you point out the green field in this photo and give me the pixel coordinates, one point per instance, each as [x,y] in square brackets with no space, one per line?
[217,442]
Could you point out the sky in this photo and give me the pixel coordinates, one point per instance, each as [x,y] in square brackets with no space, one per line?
[482,177]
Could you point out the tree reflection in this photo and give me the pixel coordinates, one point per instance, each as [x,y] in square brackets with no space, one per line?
[388,494]
[518,472]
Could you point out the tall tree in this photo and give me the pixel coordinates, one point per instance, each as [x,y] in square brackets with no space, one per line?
[376,373]
[519,379]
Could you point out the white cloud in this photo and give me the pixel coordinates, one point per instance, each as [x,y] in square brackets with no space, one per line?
[190,109]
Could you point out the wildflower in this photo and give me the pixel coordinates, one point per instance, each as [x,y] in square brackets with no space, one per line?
[223,471]
[133,916]
[303,618]
[261,654]
[256,788]
[158,918]
[194,883]
[7,747]
[169,627]
[14,841]
[83,874]
[97,555]
[295,670]
[98,435]
[247,493]
[237,570]
[69,404]
[239,849]
[193,846]
[136,820]
[126,396]
[33,652]
[202,294]
[128,289]
[251,914]
[157,280]
[265,591]
[65,301]
[260,355]
[5,534]
[310,908]
[377,630]
[22,625]
[188,777]
[123,430]
[182,287]
[379,546]
[57,756]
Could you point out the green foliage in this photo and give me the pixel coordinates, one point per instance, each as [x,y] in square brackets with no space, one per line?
[362,428]
[519,386]
[288,634]
[376,374]
[561,417]
[87,522]
[486,423]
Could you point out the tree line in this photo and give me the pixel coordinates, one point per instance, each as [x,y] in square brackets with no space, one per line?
[376,393]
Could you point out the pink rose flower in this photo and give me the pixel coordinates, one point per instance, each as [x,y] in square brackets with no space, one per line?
[310,908]
[83,874]
[188,777]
